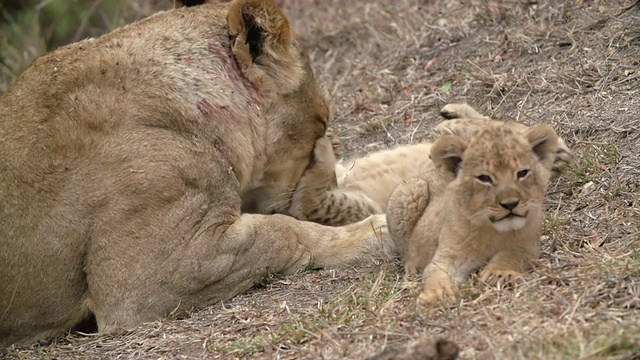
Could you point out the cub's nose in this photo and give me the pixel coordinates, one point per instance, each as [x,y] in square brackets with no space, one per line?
[509,205]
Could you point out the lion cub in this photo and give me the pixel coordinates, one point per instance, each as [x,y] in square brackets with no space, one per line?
[482,205]
[340,193]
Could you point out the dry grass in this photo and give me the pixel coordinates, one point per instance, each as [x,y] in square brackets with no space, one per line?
[389,66]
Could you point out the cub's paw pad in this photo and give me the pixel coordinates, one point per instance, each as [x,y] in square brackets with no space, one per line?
[323,151]
[459,111]
[449,111]
[412,281]
[335,142]
[432,295]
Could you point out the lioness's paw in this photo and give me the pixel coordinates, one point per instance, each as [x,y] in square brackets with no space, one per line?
[492,275]
[376,226]
[377,222]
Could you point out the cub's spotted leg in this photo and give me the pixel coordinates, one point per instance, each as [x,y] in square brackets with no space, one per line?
[318,199]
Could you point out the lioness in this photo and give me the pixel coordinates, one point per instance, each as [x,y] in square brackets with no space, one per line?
[124,159]
[341,193]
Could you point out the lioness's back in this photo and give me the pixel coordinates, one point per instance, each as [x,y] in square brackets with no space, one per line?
[77,122]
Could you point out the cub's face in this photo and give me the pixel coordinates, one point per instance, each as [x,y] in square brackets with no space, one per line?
[501,175]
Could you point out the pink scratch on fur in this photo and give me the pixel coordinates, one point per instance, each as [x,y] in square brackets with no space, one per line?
[216,112]
[232,70]
[205,107]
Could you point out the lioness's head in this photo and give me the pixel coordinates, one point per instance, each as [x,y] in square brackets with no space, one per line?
[500,176]
[298,119]
[268,55]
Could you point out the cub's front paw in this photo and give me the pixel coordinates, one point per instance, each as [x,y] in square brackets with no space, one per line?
[324,155]
[437,286]
[433,295]
[493,275]
[335,142]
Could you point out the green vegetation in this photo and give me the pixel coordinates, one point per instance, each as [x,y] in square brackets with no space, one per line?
[595,159]
[31,28]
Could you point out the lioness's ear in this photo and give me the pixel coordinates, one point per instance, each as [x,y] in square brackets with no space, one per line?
[447,152]
[544,143]
[264,45]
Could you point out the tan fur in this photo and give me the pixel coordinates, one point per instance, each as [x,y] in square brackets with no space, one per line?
[363,186]
[466,121]
[338,194]
[483,207]
[124,160]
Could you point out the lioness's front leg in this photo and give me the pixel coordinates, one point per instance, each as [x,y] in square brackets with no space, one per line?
[198,263]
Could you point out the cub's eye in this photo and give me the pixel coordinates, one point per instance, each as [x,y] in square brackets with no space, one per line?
[486,179]
[522,174]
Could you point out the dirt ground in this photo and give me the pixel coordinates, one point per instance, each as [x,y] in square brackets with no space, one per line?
[388,67]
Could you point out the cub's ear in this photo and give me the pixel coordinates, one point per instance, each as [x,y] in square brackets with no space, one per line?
[264,45]
[544,143]
[447,154]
